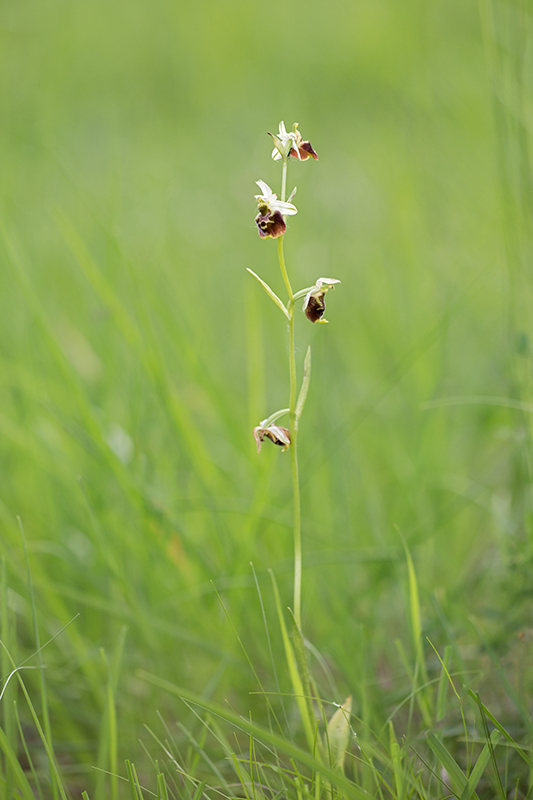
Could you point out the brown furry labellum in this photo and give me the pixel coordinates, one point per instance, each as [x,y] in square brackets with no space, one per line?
[314,303]
[270,223]
[315,308]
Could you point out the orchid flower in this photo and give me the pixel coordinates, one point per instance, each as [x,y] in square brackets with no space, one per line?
[270,219]
[314,304]
[276,434]
[291,144]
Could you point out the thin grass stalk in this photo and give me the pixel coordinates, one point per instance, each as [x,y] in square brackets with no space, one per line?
[36,781]
[9,697]
[44,695]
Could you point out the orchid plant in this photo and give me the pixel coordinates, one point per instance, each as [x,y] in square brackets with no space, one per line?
[271,224]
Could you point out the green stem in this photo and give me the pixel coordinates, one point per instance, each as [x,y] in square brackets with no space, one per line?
[285,276]
[297,524]
[284,179]
[293,428]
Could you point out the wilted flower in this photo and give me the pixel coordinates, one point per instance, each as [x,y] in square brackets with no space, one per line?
[276,434]
[314,305]
[270,221]
[291,144]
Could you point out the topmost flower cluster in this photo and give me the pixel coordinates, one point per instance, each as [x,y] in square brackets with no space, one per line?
[291,144]
[272,212]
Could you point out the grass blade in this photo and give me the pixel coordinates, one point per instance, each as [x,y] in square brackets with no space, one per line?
[445,758]
[282,743]
[296,680]
[479,767]
[21,780]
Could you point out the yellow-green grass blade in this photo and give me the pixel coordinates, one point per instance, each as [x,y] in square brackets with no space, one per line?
[284,745]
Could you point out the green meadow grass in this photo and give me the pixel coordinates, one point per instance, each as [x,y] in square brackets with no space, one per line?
[140,530]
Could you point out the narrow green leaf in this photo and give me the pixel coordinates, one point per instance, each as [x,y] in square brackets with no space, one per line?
[416,627]
[21,780]
[198,793]
[414,602]
[27,753]
[47,727]
[48,749]
[240,776]
[112,737]
[488,738]
[162,791]
[8,693]
[282,743]
[305,385]
[512,693]
[446,759]
[396,756]
[273,296]
[296,680]
[443,682]
[133,780]
[479,768]
[201,752]
[303,670]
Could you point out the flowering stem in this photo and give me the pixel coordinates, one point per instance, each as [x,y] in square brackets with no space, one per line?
[285,277]
[284,179]
[297,529]
[293,428]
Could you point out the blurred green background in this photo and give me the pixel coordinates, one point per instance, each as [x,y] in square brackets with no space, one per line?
[137,353]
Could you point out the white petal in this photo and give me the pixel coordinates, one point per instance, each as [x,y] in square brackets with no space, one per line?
[287,209]
[308,297]
[265,188]
[267,194]
[280,434]
[328,281]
